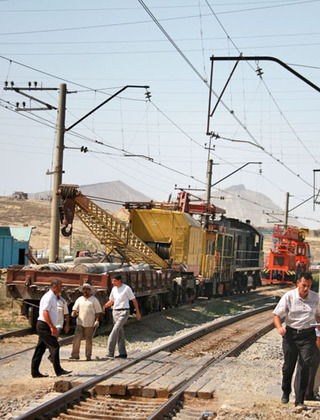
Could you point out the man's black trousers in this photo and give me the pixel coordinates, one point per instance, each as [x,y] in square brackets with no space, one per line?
[46,340]
[303,344]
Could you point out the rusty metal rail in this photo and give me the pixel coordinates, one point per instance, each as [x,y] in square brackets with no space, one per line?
[16,333]
[78,392]
[177,396]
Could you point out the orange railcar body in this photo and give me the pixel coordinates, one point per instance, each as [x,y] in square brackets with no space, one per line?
[289,255]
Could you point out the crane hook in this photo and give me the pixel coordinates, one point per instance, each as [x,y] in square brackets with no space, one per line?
[66,232]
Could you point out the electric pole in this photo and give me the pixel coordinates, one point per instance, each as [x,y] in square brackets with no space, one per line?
[59,148]
[208,190]
[286,214]
[44,106]
[57,175]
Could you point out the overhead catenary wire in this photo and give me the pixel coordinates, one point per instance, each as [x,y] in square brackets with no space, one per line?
[157,163]
[205,81]
[186,129]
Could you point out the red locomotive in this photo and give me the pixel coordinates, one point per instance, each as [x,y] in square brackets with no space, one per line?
[289,255]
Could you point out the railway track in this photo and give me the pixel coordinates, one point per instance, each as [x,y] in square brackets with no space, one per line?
[149,385]
[16,333]
[7,354]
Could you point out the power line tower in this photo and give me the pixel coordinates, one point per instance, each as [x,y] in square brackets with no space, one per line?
[61,130]
[58,164]
[57,175]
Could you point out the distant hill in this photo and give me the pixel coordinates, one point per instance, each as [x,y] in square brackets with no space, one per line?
[36,211]
[110,192]
[113,191]
[238,202]
[244,204]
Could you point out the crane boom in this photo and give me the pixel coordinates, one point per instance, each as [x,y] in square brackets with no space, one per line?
[110,231]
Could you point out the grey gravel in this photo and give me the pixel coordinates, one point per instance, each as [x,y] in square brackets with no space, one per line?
[248,386]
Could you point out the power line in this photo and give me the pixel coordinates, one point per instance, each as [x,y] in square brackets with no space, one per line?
[255,142]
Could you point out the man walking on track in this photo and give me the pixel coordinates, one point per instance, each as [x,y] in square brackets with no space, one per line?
[47,331]
[300,307]
[88,309]
[120,296]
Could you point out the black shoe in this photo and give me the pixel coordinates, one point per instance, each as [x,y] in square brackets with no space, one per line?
[63,372]
[301,406]
[121,356]
[310,398]
[39,375]
[109,356]
[285,398]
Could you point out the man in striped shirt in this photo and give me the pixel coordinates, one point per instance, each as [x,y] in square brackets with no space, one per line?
[300,307]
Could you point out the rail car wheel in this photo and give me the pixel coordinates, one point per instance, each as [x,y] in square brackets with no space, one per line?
[33,313]
[146,305]
[167,300]
[177,294]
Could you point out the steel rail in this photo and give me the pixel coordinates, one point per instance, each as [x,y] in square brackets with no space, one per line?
[62,341]
[75,393]
[173,400]
[102,330]
[17,333]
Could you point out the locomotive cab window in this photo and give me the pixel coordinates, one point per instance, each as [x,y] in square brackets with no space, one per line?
[308,251]
[220,242]
[228,245]
[210,247]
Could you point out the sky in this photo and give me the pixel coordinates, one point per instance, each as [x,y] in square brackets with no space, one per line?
[155,140]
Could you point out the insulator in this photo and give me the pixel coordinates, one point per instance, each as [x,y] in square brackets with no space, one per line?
[259,71]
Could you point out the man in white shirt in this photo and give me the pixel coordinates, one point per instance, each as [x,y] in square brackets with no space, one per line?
[120,296]
[47,331]
[63,315]
[300,307]
[87,309]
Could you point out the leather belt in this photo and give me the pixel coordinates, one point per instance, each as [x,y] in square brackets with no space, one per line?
[123,309]
[305,330]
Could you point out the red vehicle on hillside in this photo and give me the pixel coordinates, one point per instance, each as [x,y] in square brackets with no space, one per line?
[289,255]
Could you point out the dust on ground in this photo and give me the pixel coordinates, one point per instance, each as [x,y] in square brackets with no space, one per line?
[248,387]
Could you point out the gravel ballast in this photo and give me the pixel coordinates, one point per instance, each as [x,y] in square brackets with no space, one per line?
[247,387]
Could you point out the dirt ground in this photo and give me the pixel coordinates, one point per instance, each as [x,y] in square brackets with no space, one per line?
[247,387]
[38,213]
